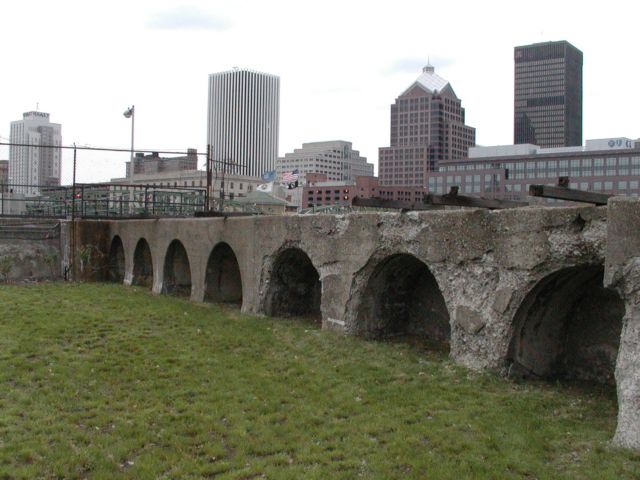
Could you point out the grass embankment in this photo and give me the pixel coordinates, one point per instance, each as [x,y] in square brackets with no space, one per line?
[103,381]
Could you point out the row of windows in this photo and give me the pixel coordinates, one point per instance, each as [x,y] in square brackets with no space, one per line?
[585,163]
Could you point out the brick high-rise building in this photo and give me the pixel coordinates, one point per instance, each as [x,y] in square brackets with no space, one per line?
[427,126]
[548,95]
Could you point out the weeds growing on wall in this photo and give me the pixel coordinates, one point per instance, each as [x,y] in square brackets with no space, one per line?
[6,264]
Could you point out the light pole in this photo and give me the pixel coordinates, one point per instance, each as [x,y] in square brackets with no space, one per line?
[131,113]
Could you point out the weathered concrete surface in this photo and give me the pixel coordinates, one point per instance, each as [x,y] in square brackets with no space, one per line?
[29,251]
[517,291]
[622,271]
[484,263]
[29,260]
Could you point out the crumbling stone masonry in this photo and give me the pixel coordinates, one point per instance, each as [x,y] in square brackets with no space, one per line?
[518,291]
[622,271]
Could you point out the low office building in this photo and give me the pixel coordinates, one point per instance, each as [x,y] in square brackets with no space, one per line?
[231,185]
[154,163]
[609,165]
[320,191]
[336,159]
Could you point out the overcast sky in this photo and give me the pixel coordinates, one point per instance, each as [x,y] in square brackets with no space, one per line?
[341,65]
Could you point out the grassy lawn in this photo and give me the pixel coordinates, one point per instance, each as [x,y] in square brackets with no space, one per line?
[103,382]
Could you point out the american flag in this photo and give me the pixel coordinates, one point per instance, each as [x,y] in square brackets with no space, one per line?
[290,176]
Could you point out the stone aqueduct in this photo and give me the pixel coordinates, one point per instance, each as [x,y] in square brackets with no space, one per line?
[535,292]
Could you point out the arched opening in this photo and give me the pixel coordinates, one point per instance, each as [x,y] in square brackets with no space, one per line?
[568,327]
[115,271]
[402,300]
[222,281]
[142,265]
[295,288]
[177,272]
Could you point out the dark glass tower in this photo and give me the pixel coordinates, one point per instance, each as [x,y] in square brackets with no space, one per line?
[548,95]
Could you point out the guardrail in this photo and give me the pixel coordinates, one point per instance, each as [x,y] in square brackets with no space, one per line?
[101,200]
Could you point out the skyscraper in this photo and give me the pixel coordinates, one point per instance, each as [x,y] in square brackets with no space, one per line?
[38,161]
[548,95]
[427,126]
[243,121]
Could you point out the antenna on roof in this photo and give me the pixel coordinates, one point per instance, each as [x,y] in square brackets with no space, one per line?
[428,67]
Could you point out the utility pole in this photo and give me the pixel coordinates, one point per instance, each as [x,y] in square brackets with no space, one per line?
[209,198]
[73,217]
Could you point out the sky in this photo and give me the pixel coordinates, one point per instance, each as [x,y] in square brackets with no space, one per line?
[341,65]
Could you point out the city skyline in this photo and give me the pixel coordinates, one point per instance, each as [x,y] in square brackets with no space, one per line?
[333,87]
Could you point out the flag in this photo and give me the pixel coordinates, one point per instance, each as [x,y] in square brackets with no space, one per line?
[265,187]
[289,177]
[292,185]
[128,113]
[269,176]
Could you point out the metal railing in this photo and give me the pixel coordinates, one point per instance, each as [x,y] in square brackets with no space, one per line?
[102,200]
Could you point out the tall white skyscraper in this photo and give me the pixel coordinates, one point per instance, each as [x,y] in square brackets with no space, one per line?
[243,121]
[38,162]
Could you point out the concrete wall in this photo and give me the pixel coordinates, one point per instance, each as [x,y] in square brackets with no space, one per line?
[623,273]
[29,251]
[484,262]
[517,291]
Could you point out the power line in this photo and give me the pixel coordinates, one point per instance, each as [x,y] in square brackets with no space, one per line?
[102,149]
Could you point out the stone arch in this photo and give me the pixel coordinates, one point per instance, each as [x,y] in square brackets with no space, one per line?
[177,271]
[116,265]
[223,282]
[567,327]
[402,299]
[142,265]
[295,288]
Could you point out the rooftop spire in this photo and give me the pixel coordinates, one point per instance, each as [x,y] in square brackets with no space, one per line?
[428,68]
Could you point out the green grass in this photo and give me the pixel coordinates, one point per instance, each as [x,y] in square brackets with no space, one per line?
[103,382]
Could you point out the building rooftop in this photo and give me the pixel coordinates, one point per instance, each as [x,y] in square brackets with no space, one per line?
[429,80]
[600,144]
[261,198]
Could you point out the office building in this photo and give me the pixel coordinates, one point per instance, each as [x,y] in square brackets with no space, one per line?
[154,163]
[35,153]
[548,95]
[427,127]
[610,165]
[4,176]
[319,191]
[336,159]
[243,121]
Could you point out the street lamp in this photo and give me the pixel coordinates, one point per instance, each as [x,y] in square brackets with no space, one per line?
[130,113]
